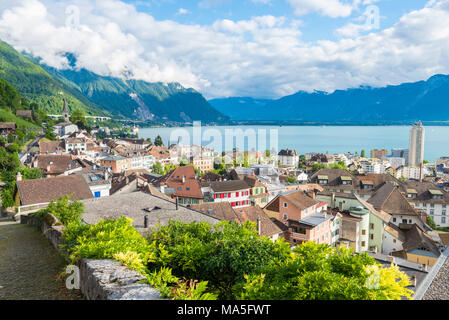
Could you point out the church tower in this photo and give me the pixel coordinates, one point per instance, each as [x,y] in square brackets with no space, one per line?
[65,112]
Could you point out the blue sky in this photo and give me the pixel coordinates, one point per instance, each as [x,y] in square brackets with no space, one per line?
[314,26]
[246,48]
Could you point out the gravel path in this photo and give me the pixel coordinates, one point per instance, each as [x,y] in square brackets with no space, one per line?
[30,268]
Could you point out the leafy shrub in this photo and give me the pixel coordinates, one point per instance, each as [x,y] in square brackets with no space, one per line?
[107,238]
[67,212]
[319,272]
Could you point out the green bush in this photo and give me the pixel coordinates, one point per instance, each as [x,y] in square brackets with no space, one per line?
[67,212]
[199,261]
[220,254]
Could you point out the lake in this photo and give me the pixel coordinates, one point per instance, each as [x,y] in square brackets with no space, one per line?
[332,139]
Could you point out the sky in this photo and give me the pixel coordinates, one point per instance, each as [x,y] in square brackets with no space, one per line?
[246,48]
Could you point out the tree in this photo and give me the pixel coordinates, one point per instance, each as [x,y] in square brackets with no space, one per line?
[30,173]
[363,154]
[79,118]
[268,153]
[340,165]
[158,169]
[291,180]
[320,272]
[318,166]
[158,141]
[67,212]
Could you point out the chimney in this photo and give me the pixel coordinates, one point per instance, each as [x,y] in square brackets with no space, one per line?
[19,176]
[424,267]
[145,222]
[333,200]
[340,206]
[259,226]
[177,205]
[183,179]
[414,281]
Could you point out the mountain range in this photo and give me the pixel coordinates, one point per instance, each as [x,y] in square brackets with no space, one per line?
[423,100]
[102,95]
[161,102]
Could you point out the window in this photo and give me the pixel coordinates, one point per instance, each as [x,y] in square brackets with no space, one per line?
[432,212]
[394,240]
[444,206]
[443,212]
[371,226]
[285,204]
[363,243]
[285,217]
[443,219]
[371,236]
[97,194]
[237,194]
[404,220]
[394,219]
[363,232]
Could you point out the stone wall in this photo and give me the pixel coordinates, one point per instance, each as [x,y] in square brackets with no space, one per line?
[99,279]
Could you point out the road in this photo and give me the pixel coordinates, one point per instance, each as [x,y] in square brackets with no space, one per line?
[30,268]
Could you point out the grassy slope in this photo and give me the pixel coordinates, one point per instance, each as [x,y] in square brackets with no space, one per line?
[36,84]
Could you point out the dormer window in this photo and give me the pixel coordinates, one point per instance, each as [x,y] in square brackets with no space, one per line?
[367,185]
[346,180]
[323,179]
[412,193]
[436,194]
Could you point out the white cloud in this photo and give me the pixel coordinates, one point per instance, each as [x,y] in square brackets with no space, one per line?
[183,11]
[330,8]
[260,57]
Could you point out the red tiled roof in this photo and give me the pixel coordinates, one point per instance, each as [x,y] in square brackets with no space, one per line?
[189,188]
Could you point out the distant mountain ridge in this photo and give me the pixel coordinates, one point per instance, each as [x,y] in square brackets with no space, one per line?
[423,100]
[139,99]
[100,95]
[37,85]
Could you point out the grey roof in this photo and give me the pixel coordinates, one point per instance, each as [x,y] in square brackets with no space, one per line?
[412,269]
[436,285]
[138,204]
[316,219]
[113,158]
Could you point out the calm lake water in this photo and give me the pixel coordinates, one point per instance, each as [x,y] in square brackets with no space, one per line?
[338,139]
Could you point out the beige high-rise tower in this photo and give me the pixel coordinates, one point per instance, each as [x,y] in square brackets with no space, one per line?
[416,152]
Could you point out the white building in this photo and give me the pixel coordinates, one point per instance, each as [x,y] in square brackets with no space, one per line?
[417,135]
[429,198]
[395,162]
[288,158]
[236,192]
[374,166]
[72,144]
[64,129]
[412,172]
